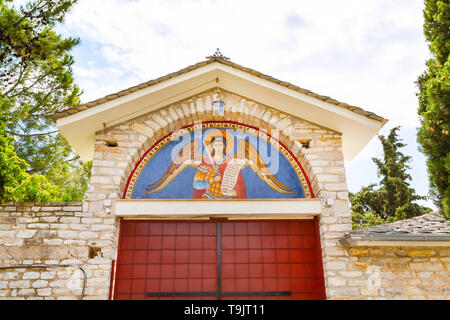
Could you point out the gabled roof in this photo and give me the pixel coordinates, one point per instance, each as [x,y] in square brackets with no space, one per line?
[80,124]
[430,227]
[212,59]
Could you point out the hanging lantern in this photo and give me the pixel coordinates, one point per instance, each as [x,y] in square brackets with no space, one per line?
[218,105]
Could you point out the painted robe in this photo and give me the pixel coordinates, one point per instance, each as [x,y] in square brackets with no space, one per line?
[206,188]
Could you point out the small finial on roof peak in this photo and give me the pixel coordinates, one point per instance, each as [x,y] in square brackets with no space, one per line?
[218,55]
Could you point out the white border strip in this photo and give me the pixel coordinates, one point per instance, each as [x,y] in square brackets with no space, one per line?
[233,209]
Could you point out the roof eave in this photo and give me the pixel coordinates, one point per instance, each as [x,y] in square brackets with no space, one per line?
[353,122]
[406,239]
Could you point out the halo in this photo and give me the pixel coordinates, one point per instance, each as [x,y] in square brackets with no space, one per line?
[223,133]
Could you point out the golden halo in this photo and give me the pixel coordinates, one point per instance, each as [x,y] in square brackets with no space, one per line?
[223,133]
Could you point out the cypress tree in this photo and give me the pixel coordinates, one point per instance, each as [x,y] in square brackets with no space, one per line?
[394,199]
[434,102]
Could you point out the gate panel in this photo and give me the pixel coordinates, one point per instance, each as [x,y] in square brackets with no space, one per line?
[274,260]
[160,257]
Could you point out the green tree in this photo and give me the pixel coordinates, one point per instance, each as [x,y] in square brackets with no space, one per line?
[36,81]
[434,102]
[18,185]
[394,199]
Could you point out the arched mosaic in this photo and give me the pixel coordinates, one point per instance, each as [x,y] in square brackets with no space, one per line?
[218,160]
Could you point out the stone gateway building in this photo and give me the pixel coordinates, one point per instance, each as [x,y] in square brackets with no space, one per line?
[217,182]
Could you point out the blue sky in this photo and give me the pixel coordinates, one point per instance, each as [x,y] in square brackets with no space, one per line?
[366,53]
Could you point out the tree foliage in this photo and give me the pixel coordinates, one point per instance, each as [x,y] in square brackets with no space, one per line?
[434,102]
[36,81]
[35,71]
[394,199]
[18,185]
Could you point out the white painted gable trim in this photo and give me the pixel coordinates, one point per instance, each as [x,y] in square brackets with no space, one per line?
[80,127]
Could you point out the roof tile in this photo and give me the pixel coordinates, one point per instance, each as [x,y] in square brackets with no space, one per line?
[428,224]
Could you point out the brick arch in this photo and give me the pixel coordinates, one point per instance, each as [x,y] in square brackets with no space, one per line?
[135,137]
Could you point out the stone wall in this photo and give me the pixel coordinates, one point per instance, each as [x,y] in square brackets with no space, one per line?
[48,234]
[394,273]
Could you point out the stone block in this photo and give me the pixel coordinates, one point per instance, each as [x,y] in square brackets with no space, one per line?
[28,220]
[20,284]
[370,292]
[346,292]
[69,220]
[340,227]
[336,282]
[335,186]
[395,291]
[48,275]
[101,227]
[53,242]
[68,234]
[59,226]
[4,293]
[7,234]
[336,265]
[434,267]
[51,209]
[417,266]
[58,284]
[45,292]
[413,291]
[75,242]
[38,226]
[26,234]
[40,284]
[79,227]
[352,274]
[88,235]
[26,292]
[356,282]
[31,275]
[419,253]
[343,195]
[48,219]
[329,178]
[10,242]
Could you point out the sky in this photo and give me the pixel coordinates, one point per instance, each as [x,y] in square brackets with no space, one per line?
[365,53]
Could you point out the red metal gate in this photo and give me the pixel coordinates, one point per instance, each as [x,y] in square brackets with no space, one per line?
[219,260]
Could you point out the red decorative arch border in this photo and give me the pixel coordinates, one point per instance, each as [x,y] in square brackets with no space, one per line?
[224,125]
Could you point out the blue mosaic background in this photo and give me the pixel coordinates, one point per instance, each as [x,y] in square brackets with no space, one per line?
[181,187]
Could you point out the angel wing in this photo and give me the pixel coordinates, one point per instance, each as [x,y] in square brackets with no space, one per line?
[187,157]
[250,157]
